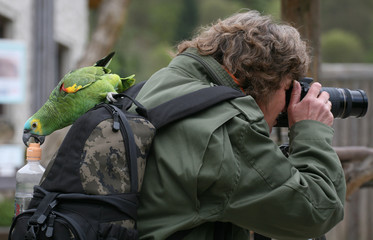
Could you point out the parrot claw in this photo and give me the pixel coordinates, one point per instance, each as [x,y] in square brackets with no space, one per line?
[110,97]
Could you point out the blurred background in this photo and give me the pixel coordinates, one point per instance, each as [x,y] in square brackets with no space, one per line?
[42,40]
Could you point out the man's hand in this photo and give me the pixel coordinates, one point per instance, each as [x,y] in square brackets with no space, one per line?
[314,106]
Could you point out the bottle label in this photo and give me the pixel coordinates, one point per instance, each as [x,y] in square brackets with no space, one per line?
[21,204]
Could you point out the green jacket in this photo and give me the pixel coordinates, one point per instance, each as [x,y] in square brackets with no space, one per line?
[221,165]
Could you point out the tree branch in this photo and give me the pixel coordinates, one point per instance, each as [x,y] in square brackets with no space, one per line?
[111,18]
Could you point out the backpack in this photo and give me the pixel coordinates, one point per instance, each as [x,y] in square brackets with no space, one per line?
[90,187]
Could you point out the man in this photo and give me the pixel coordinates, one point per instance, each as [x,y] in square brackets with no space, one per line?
[221,165]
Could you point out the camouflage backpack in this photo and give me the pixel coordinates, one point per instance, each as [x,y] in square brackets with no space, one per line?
[89,189]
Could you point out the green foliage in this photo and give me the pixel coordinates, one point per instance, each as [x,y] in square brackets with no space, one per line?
[153,29]
[212,10]
[274,8]
[354,17]
[271,7]
[151,33]
[341,46]
[187,20]
[6,212]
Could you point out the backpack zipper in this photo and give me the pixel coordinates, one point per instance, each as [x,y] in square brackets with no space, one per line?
[116,124]
[50,225]
[130,152]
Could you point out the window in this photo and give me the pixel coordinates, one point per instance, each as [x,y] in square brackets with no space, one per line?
[4,27]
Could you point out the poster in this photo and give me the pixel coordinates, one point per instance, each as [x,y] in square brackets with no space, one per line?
[12,71]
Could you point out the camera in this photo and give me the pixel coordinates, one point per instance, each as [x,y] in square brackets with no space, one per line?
[345,102]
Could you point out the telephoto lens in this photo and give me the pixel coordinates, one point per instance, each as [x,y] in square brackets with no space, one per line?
[345,102]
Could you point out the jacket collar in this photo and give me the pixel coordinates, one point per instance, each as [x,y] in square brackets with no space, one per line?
[222,77]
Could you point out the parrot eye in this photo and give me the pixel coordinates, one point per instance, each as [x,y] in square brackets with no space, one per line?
[34,125]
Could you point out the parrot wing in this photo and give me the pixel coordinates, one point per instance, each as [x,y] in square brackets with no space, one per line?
[79,79]
[82,78]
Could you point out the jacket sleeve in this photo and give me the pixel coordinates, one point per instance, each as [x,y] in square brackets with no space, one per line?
[298,197]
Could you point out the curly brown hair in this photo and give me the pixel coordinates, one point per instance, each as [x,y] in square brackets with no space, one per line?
[255,49]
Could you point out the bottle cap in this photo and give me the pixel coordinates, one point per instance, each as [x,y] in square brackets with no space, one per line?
[33,152]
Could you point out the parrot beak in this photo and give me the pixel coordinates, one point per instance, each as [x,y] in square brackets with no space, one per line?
[27,135]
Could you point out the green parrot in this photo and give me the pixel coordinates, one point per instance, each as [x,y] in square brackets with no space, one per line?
[76,93]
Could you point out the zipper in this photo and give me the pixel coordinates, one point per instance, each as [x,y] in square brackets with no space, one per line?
[114,113]
[50,225]
[116,124]
[130,152]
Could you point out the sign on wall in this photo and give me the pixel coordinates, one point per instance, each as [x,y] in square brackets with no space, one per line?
[12,71]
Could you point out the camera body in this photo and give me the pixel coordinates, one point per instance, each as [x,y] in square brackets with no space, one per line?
[345,102]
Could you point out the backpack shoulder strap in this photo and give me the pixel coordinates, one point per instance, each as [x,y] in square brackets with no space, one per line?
[189,104]
[194,102]
[185,105]
[131,94]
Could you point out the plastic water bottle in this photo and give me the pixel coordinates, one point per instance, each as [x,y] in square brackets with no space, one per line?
[28,176]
